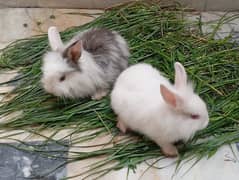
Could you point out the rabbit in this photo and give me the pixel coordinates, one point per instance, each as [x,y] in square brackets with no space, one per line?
[146,102]
[86,66]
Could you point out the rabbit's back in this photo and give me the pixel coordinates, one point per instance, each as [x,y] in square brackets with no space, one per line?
[136,96]
[141,78]
[108,49]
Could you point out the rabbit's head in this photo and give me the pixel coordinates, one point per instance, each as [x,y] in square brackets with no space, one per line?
[185,103]
[60,65]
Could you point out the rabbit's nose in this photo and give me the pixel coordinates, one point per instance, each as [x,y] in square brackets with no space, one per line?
[48,85]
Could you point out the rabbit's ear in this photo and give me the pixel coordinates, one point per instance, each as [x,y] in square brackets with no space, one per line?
[180,75]
[170,97]
[54,39]
[73,53]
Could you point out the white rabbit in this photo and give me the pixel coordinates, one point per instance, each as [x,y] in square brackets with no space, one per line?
[87,65]
[148,103]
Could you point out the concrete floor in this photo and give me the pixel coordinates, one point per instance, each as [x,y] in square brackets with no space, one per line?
[20,23]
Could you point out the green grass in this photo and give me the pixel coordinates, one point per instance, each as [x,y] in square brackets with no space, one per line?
[157,35]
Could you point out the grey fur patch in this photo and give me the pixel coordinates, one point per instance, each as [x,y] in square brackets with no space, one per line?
[103,45]
[108,49]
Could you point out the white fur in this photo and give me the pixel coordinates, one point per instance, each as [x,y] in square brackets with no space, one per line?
[137,101]
[76,83]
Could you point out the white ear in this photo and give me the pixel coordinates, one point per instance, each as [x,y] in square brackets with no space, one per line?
[170,97]
[180,75]
[54,39]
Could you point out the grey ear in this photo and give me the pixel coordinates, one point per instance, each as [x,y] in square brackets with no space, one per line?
[180,75]
[73,53]
[54,39]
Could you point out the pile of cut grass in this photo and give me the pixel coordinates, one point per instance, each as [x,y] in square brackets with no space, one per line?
[158,35]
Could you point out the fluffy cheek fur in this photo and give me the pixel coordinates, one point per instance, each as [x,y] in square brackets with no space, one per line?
[47,84]
[53,85]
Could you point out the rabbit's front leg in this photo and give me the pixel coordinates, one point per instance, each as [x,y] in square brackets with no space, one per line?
[121,125]
[169,150]
[99,94]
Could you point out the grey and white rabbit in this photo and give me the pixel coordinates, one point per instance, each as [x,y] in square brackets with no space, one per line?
[148,103]
[87,66]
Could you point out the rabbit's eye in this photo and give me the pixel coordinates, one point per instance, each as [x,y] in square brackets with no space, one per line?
[62,78]
[194,116]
